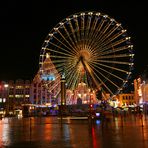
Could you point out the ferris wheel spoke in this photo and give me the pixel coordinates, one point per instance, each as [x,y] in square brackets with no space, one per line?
[107,72]
[82,29]
[73,32]
[87,30]
[113,62]
[90,71]
[70,44]
[110,32]
[59,65]
[112,45]
[112,38]
[59,62]
[111,67]
[114,50]
[77,27]
[72,82]
[102,29]
[52,71]
[108,44]
[63,58]
[76,81]
[105,86]
[82,26]
[101,82]
[90,32]
[47,69]
[55,85]
[60,52]
[62,43]
[95,23]
[70,69]
[96,33]
[72,41]
[50,82]
[108,79]
[105,36]
[86,78]
[117,43]
[114,56]
[102,32]
[57,93]
[100,25]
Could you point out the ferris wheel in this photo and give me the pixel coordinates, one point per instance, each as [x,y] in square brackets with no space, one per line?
[93,48]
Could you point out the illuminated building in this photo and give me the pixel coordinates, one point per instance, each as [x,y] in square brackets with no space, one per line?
[144,89]
[3,96]
[39,95]
[14,94]
[141,91]
[138,91]
[19,93]
[126,99]
[82,92]
[45,87]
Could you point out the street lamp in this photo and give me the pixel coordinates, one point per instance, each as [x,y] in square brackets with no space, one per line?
[63,94]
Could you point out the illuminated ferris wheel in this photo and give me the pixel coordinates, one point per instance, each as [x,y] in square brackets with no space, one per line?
[93,48]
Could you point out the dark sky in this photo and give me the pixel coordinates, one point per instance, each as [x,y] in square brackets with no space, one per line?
[25,24]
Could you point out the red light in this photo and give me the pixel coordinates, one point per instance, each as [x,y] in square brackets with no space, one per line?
[91,105]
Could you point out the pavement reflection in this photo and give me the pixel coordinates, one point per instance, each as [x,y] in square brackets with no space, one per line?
[50,132]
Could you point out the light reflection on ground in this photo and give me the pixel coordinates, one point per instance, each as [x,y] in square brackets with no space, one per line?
[51,132]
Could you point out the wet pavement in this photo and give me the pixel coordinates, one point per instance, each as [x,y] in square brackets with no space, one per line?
[50,132]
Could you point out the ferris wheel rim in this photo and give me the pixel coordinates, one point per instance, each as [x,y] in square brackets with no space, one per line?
[88,13]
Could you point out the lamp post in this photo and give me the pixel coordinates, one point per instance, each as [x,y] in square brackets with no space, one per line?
[63,94]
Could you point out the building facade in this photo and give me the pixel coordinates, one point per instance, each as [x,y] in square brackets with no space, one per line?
[3,97]
[45,87]
[13,94]
[141,92]
[126,99]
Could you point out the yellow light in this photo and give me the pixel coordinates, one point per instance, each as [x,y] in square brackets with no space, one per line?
[6,85]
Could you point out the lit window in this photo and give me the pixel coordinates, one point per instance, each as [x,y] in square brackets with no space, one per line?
[19,87]
[19,96]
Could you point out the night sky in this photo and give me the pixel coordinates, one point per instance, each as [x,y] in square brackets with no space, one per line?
[25,24]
